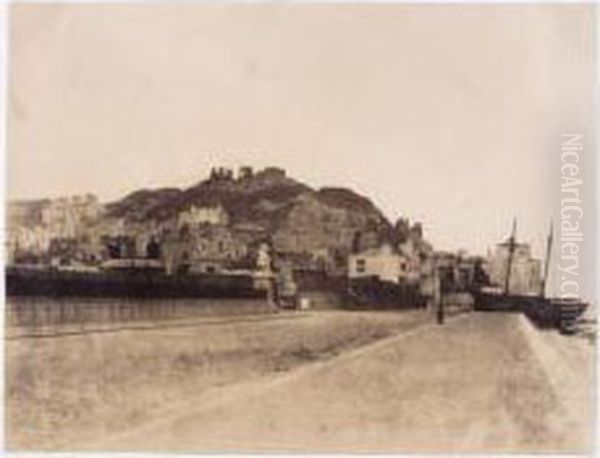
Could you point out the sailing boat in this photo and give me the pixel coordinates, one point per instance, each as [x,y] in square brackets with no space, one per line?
[544,311]
[490,298]
[547,260]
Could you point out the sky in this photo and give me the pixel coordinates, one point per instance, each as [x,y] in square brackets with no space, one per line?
[448,115]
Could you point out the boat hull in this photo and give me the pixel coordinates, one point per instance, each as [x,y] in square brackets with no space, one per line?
[544,312]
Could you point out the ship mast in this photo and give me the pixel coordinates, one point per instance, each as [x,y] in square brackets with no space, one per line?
[511,251]
[547,261]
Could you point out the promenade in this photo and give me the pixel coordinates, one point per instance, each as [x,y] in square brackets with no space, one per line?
[481,382]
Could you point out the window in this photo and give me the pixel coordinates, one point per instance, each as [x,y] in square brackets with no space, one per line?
[361,265]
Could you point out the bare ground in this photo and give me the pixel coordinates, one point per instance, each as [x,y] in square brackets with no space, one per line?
[480,383]
[477,384]
[68,392]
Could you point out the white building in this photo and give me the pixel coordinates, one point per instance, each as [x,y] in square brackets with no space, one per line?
[383,262]
[203,215]
[418,258]
[525,272]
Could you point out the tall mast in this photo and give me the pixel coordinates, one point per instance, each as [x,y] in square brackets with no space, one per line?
[547,261]
[511,251]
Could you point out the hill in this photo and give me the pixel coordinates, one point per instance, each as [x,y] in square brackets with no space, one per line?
[295,216]
[266,205]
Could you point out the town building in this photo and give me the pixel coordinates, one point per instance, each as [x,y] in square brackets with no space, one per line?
[384,262]
[416,258]
[194,216]
[202,249]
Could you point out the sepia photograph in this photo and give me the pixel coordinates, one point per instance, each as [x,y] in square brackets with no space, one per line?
[291,227]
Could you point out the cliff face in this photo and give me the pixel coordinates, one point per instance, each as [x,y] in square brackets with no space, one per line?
[312,225]
[61,217]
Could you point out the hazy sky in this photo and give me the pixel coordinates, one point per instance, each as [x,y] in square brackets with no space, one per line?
[450,115]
